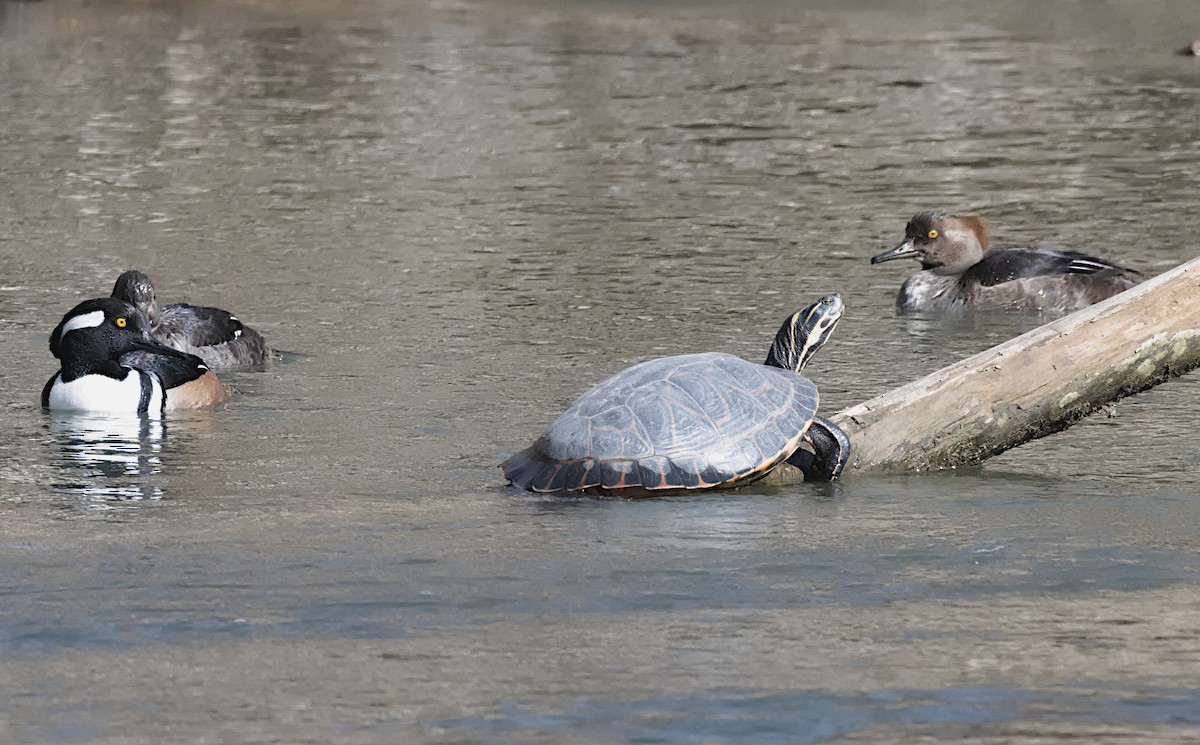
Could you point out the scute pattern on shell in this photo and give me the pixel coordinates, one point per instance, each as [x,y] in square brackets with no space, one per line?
[685,422]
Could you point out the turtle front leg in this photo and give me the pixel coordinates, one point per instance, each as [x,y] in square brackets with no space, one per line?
[831,451]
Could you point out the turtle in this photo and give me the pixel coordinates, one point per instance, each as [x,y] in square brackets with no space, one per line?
[694,421]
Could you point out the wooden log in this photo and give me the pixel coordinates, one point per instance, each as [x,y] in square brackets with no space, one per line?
[1031,386]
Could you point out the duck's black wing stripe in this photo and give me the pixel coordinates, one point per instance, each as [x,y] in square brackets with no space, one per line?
[171,371]
[198,325]
[46,391]
[1006,264]
[147,390]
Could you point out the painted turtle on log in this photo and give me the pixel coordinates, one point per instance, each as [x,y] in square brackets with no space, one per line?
[694,421]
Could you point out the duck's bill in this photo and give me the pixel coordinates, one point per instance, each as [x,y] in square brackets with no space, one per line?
[903,251]
[149,345]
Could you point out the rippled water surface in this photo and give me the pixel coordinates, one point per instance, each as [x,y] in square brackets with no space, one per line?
[456,216]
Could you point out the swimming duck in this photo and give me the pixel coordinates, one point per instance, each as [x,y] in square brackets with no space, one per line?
[214,335]
[960,271]
[110,364]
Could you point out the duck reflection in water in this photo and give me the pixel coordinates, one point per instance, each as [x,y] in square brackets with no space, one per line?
[108,458]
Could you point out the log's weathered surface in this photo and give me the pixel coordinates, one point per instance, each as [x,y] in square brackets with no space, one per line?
[1031,386]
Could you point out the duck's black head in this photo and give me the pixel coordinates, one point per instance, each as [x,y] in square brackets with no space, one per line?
[135,288]
[942,242]
[94,334]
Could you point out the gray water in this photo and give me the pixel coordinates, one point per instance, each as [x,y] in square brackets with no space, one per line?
[455,217]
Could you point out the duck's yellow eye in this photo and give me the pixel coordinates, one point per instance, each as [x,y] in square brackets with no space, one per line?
[120,323]
[933,234]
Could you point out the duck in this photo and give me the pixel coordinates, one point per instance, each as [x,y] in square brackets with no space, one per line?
[214,335]
[959,271]
[110,364]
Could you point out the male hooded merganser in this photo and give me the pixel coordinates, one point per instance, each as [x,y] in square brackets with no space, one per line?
[214,335]
[960,271]
[110,364]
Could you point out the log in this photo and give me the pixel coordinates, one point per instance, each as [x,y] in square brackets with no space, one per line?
[1028,387]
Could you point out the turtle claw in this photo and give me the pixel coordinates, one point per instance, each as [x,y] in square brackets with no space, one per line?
[830,453]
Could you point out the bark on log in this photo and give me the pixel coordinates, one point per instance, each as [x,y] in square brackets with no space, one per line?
[1031,386]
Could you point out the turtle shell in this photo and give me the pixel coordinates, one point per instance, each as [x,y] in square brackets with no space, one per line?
[692,421]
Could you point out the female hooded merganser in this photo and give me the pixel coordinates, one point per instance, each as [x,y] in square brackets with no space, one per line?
[110,364]
[961,272]
[214,335]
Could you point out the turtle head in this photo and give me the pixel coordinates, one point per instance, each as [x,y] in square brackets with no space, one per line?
[804,332]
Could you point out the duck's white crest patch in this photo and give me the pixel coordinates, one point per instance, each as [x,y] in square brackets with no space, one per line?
[84,321]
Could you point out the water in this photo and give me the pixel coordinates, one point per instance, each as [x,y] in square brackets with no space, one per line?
[458,216]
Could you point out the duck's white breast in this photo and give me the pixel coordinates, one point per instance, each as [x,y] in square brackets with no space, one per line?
[104,394]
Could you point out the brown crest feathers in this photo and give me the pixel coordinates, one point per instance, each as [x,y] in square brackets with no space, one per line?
[978,226]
